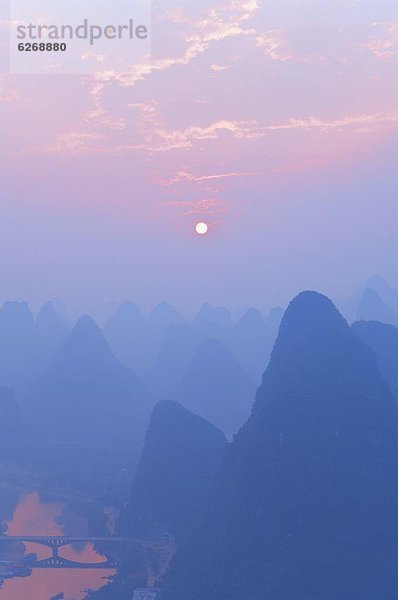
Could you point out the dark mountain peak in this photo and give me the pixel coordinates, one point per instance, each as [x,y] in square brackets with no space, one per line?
[167,407]
[180,457]
[316,345]
[16,313]
[309,481]
[310,309]
[176,420]
[310,316]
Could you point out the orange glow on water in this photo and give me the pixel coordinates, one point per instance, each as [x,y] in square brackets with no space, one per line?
[32,517]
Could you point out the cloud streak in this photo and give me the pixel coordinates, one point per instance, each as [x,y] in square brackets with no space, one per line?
[384,44]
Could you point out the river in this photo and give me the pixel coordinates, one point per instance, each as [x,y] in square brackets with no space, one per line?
[32,516]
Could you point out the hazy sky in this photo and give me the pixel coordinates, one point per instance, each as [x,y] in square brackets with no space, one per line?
[274,121]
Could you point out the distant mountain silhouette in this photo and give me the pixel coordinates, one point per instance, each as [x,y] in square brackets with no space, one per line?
[373,308]
[136,341]
[216,387]
[179,346]
[50,331]
[249,343]
[253,338]
[88,397]
[384,290]
[28,346]
[273,321]
[127,331]
[51,323]
[16,343]
[383,339]
[163,316]
[181,455]
[213,321]
[305,506]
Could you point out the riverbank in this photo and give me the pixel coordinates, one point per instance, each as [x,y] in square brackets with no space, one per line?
[21,481]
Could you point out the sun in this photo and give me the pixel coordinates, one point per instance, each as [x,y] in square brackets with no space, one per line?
[201,228]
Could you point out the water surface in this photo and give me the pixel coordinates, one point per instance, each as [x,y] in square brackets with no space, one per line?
[32,516]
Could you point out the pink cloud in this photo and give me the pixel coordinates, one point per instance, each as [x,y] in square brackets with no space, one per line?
[218,68]
[207,206]
[384,44]
[350,121]
[217,25]
[182,176]
[275,45]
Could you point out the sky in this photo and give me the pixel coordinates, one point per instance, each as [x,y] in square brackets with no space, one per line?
[274,121]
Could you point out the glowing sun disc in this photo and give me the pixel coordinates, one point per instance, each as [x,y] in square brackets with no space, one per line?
[201,228]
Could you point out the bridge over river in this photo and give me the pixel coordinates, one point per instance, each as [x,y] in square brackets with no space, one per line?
[55,561]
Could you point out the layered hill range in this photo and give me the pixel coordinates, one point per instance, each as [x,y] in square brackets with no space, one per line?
[210,364]
[27,346]
[85,394]
[383,339]
[305,504]
[87,412]
[375,301]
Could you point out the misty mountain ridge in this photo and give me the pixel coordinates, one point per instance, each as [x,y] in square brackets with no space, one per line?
[216,387]
[249,340]
[388,294]
[16,343]
[87,398]
[125,331]
[163,316]
[28,345]
[252,340]
[383,339]
[309,481]
[134,339]
[373,308]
